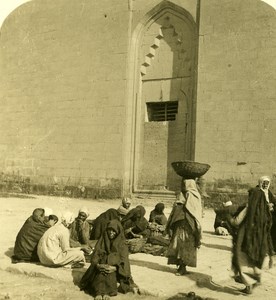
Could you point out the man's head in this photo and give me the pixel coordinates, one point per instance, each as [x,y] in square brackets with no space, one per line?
[264,182]
[52,220]
[126,202]
[83,214]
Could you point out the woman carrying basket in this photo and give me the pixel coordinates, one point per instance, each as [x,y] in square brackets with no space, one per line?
[184,228]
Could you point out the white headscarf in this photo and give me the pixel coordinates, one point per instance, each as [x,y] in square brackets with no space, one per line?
[67,217]
[84,210]
[261,180]
[227,203]
[180,198]
[193,203]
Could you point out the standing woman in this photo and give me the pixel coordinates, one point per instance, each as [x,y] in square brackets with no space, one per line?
[184,228]
[109,265]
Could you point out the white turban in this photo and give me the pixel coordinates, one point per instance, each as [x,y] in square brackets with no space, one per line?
[67,217]
[227,203]
[262,179]
[84,210]
[126,200]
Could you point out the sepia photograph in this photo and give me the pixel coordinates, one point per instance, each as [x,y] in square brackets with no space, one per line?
[137,149]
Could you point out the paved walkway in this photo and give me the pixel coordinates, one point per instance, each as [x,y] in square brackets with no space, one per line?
[152,274]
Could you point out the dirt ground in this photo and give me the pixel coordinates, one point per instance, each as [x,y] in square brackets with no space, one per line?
[210,279]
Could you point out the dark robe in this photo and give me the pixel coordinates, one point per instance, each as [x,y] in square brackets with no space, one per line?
[114,253]
[180,220]
[157,215]
[79,233]
[222,216]
[273,213]
[257,242]
[135,219]
[101,221]
[27,239]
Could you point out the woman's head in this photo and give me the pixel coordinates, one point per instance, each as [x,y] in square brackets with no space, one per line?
[180,199]
[140,211]
[189,184]
[113,229]
[159,207]
[111,233]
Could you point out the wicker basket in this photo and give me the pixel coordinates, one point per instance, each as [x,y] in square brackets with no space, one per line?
[190,169]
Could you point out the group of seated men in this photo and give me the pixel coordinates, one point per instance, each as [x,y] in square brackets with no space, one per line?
[44,239]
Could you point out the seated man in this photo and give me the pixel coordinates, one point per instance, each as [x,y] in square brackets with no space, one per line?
[25,248]
[54,247]
[80,231]
[221,225]
[124,208]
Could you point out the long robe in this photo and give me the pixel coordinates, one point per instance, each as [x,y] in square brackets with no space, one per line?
[79,233]
[27,239]
[184,240]
[54,248]
[135,219]
[184,223]
[253,242]
[114,253]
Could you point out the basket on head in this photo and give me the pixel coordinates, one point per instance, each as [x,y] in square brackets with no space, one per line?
[190,169]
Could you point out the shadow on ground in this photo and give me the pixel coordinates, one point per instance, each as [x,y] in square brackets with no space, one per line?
[152,265]
[215,246]
[9,252]
[201,280]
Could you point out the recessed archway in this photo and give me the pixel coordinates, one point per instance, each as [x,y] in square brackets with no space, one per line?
[163,64]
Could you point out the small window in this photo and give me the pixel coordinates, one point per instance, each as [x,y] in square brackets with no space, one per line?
[162,111]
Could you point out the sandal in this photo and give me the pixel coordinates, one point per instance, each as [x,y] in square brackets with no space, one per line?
[106,297]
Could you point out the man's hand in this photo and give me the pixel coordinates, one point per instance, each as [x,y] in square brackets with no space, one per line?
[271,206]
[86,249]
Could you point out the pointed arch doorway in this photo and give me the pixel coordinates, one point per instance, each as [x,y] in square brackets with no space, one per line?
[164,89]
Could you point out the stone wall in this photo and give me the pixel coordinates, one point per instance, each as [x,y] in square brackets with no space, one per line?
[236,99]
[63,81]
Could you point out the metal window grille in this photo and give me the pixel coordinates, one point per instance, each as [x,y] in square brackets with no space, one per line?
[162,111]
